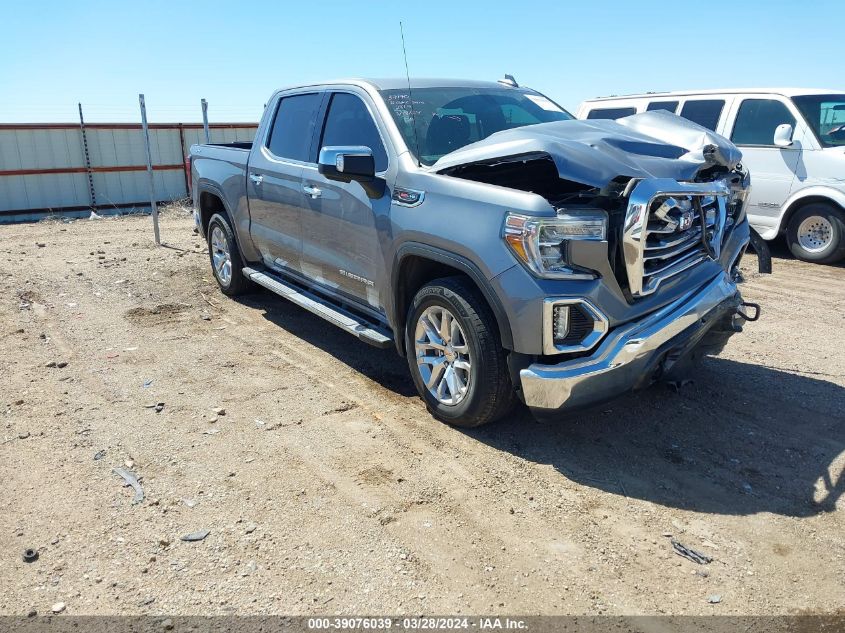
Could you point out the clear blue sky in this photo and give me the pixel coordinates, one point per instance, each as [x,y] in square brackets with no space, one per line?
[235,54]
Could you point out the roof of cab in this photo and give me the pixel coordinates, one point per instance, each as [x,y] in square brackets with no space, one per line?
[398,83]
[787,92]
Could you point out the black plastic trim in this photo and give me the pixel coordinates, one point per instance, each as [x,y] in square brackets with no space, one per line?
[454,260]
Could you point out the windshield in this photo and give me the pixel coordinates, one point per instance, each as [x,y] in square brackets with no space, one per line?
[826,115]
[449,118]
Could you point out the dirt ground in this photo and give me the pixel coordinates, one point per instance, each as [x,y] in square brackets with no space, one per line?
[327,488]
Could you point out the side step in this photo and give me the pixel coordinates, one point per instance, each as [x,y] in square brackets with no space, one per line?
[367,332]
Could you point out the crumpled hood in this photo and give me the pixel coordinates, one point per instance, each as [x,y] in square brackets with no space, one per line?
[655,144]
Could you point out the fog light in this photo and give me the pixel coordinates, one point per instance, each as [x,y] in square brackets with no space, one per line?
[560,326]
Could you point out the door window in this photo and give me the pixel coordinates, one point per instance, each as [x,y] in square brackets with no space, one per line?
[757,120]
[293,127]
[611,113]
[705,112]
[670,106]
[826,115]
[349,123]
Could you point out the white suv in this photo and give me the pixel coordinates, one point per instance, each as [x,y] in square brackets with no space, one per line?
[792,142]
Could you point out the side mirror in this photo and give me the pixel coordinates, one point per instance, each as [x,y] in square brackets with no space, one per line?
[783,135]
[347,163]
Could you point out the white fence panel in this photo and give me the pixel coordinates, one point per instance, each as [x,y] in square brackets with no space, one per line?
[43,169]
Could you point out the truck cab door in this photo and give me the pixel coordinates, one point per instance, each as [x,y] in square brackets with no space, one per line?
[274,178]
[341,220]
[772,168]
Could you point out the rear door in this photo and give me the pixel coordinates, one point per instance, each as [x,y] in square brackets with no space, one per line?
[752,129]
[274,178]
[341,220]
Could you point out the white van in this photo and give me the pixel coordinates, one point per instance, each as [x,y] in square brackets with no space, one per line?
[792,142]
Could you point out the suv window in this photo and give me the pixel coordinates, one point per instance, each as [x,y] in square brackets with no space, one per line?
[757,120]
[610,113]
[349,123]
[671,106]
[293,126]
[826,115]
[705,112]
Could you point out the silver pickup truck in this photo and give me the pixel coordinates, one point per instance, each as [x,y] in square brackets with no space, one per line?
[506,249]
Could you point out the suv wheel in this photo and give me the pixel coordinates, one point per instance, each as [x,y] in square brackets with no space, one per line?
[226,262]
[456,359]
[816,233]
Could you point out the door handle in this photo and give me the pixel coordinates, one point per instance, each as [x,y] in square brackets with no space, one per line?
[256,178]
[314,192]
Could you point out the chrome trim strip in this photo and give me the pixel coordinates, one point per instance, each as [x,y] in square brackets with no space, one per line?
[600,326]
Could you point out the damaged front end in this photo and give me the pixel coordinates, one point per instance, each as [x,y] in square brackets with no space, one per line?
[661,192]
[649,215]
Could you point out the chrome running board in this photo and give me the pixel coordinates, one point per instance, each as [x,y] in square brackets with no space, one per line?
[345,320]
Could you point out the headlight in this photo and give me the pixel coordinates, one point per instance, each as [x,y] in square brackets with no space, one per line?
[541,243]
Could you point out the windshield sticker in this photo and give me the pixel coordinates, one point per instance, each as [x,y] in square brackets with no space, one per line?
[544,103]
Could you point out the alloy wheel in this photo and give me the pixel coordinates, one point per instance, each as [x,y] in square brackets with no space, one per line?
[443,356]
[220,256]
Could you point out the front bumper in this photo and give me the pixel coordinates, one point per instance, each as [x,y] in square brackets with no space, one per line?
[633,354]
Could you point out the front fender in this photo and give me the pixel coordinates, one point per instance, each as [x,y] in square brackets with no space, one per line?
[454,260]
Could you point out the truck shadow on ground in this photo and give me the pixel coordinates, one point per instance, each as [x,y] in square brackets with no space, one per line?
[742,439]
[383,366]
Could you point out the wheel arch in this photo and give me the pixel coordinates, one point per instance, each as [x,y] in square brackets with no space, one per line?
[417,264]
[210,200]
[809,195]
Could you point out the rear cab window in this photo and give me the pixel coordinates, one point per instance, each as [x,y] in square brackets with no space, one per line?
[293,127]
[349,122]
[611,113]
[757,120]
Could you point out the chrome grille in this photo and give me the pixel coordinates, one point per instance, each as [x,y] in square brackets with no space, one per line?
[663,230]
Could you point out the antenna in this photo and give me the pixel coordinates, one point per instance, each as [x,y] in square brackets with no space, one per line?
[410,94]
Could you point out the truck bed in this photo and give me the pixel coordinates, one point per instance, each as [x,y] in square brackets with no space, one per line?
[224,164]
[244,145]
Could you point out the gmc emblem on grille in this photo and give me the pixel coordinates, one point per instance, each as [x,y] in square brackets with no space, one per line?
[685,221]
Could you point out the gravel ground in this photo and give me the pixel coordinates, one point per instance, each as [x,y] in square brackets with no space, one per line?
[325,487]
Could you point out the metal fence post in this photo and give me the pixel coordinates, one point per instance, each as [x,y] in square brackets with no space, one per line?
[184,154]
[149,167]
[205,121]
[87,161]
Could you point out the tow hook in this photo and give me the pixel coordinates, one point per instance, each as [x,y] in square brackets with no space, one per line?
[740,310]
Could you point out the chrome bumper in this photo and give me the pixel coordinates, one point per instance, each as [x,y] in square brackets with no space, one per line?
[632,353]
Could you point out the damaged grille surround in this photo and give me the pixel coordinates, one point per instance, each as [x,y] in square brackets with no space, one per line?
[671,227]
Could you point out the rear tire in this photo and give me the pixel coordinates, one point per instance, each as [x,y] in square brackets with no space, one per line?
[466,382]
[226,262]
[816,233]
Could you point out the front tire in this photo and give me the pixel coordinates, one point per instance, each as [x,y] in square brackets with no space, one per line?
[455,356]
[816,233]
[226,262]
